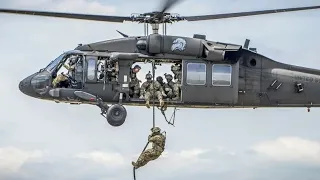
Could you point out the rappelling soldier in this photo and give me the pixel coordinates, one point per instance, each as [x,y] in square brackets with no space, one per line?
[151,89]
[158,141]
[134,85]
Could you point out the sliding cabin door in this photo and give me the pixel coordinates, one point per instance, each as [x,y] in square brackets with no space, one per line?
[209,83]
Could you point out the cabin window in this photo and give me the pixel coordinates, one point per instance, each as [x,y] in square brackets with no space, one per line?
[196,74]
[91,69]
[221,75]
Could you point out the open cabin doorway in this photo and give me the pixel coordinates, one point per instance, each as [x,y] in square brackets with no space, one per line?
[162,70]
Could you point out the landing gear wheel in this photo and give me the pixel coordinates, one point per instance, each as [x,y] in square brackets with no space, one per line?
[116,115]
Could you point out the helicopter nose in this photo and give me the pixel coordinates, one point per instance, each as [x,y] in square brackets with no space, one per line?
[25,86]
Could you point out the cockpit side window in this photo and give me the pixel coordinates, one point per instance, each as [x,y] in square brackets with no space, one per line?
[54,63]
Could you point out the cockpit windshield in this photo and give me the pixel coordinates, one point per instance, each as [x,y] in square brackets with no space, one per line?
[54,63]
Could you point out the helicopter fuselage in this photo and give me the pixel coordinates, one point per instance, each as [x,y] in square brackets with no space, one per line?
[214,75]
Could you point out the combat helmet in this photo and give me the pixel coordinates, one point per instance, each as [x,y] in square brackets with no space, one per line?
[159,79]
[72,60]
[149,76]
[155,129]
[176,67]
[168,76]
[137,67]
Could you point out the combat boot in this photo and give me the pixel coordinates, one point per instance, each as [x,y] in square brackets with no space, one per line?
[175,98]
[148,104]
[134,164]
[161,102]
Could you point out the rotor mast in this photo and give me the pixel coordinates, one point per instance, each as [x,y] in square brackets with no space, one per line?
[155,28]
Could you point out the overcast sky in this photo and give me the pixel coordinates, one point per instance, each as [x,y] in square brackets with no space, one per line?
[45,140]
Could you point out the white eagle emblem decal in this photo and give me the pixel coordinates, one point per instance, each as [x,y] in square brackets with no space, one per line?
[179,44]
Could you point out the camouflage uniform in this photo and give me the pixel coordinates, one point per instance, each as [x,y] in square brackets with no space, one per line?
[134,85]
[171,89]
[159,79]
[102,70]
[158,141]
[177,71]
[147,90]
[71,69]
[111,72]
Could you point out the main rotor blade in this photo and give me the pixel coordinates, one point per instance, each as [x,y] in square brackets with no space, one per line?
[68,15]
[242,14]
[168,4]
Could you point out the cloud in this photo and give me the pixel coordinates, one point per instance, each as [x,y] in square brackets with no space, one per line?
[11,158]
[106,158]
[290,149]
[193,160]
[192,153]
[177,160]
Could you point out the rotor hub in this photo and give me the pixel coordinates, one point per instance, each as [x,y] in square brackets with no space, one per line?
[156,18]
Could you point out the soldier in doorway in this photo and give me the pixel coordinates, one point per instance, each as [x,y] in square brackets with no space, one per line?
[151,89]
[134,84]
[111,71]
[177,71]
[171,88]
[160,80]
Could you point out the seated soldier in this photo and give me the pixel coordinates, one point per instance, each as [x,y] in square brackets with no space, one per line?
[167,90]
[172,88]
[160,80]
[177,71]
[151,89]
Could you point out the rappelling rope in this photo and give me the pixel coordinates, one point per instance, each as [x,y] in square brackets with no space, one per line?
[153,101]
[153,113]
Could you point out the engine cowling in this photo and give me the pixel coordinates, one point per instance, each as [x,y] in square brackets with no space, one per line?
[158,44]
[184,46]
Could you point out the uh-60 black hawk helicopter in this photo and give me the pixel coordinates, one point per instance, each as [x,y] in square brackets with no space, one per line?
[221,75]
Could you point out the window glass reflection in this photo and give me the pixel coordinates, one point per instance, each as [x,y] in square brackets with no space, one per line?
[91,69]
[54,63]
[196,74]
[41,82]
[221,75]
